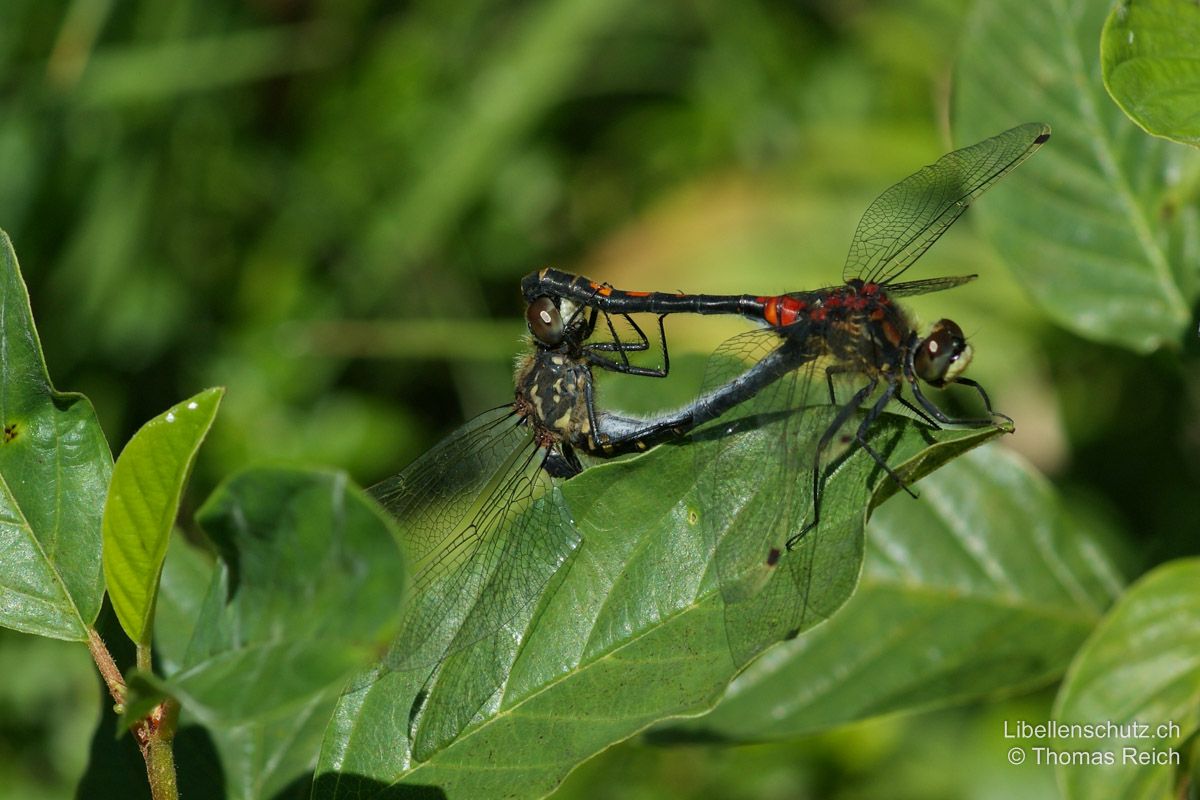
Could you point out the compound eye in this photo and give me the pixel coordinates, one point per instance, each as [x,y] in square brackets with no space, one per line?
[942,355]
[544,321]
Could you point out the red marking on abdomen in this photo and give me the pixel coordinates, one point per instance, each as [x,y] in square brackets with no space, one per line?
[770,310]
[601,289]
[782,310]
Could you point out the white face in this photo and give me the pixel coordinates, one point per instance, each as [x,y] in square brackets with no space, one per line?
[960,364]
[567,309]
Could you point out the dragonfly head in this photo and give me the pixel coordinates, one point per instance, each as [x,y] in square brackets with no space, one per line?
[941,356]
[555,322]
[545,322]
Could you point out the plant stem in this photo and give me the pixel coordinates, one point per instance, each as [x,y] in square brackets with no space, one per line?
[160,758]
[106,665]
[155,733]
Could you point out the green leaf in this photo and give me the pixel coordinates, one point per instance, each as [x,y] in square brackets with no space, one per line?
[186,575]
[54,470]
[278,752]
[257,646]
[1148,51]
[1100,226]
[308,589]
[632,629]
[982,586]
[143,501]
[1141,666]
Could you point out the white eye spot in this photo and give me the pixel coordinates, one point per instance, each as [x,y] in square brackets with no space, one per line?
[192,406]
[933,346]
[545,316]
[170,416]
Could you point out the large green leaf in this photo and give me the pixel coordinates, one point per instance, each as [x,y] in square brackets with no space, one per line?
[631,630]
[1100,225]
[263,758]
[319,587]
[1148,52]
[1140,668]
[981,586]
[54,470]
[186,575]
[308,589]
[143,500]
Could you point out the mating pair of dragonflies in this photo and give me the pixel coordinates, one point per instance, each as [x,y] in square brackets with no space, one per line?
[482,525]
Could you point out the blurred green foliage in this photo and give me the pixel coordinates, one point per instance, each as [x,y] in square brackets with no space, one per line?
[204,194]
[327,207]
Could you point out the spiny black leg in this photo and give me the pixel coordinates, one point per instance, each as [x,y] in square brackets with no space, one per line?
[618,345]
[902,400]
[829,373]
[617,339]
[642,344]
[589,401]
[662,338]
[942,416]
[843,415]
[861,435]
[983,395]
[624,366]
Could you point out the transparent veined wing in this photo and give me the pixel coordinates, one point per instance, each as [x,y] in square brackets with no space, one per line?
[904,221]
[484,531]
[754,483]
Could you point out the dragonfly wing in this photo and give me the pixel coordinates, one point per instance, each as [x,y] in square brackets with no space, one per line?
[905,220]
[754,479]
[484,531]
[910,288]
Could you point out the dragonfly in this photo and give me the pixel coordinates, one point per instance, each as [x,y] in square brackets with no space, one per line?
[853,331]
[485,526]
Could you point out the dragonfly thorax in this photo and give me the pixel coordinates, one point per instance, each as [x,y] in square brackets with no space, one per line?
[858,326]
[551,392]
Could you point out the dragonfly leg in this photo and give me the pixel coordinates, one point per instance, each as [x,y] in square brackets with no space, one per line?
[946,419]
[928,420]
[589,402]
[983,395]
[623,366]
[830,371]
[860,436]
[842,417]
[617,344]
